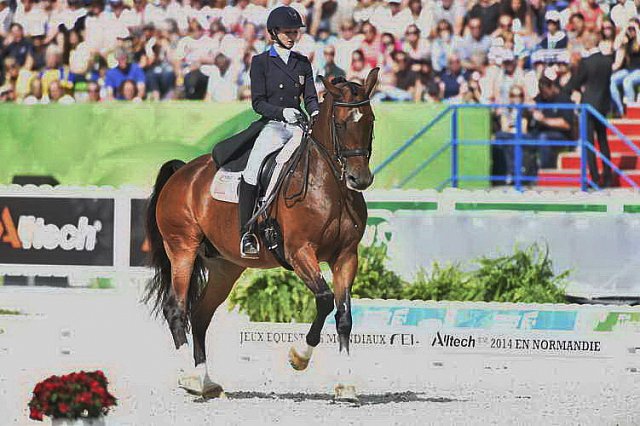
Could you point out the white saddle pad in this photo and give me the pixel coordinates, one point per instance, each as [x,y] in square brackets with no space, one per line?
[224,186]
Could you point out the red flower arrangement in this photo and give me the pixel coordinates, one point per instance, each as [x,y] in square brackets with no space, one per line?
[73,396]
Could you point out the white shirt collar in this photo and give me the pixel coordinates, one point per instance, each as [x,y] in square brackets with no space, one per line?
[282,52]
[587,53]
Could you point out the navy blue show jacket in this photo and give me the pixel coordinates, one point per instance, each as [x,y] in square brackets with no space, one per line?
[276,85]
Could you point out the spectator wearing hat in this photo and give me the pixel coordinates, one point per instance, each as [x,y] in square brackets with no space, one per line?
[555,38]
[488,12]
[626,66]
[124,70]
[549,123]
[510,75]
[594,78]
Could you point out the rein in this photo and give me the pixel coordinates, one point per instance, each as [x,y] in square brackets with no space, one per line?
[340,155]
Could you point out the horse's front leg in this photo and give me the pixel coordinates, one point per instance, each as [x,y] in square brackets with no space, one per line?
[305,264]
[344,270]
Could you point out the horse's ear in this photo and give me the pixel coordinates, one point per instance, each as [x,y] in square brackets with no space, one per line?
[371,81]
[331,88]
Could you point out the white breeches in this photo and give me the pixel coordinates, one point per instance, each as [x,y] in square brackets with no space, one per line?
[272,137]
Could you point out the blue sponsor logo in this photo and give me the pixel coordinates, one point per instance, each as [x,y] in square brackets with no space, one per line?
[395,315]
[516,320]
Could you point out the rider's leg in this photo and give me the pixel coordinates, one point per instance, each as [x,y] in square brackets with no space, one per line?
[247,201]
[273,136]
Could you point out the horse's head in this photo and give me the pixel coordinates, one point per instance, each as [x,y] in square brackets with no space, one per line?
[351,123]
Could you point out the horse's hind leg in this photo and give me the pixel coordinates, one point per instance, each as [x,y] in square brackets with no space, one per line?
[222,276]
[306,266]
[182,256]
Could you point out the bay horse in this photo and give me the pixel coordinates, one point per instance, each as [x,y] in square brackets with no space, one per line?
[325,224]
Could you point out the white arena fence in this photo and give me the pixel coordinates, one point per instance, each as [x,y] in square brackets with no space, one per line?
[99,231]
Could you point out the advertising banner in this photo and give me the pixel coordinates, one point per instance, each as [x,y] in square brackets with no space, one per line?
[57,231]
[130,142]
[492,329]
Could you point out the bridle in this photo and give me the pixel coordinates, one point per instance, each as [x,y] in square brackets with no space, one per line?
[341,153]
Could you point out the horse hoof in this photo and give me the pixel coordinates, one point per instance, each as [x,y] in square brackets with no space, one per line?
[345,393]
[213,391]
[298,362]
[204,388]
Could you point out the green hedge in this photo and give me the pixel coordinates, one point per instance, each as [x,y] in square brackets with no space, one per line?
[525,276]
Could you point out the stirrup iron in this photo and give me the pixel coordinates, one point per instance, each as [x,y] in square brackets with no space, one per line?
[256,244]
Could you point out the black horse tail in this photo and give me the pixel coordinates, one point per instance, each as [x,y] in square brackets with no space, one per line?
[158,289]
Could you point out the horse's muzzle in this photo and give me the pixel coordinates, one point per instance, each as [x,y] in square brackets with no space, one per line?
[359,183]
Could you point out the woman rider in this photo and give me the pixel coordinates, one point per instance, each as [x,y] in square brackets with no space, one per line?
[279,77]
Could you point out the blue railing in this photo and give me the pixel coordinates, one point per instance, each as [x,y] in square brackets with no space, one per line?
[519,141]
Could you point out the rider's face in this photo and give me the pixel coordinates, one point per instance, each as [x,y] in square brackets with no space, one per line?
[288,36]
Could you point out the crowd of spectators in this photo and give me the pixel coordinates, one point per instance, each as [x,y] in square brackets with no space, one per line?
[428,50]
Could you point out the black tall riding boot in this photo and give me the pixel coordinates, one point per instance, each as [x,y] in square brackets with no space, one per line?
[249,246]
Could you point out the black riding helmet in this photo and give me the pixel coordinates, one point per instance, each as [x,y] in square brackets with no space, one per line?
[283,17]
